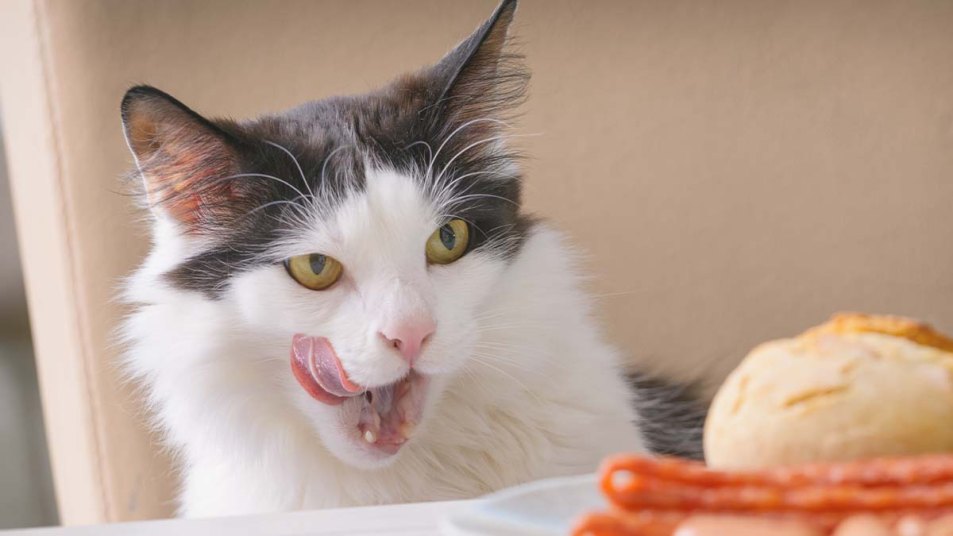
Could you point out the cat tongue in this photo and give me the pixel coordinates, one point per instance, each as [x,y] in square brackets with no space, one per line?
[317,368]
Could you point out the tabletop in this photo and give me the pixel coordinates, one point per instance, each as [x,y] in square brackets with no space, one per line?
[420,519]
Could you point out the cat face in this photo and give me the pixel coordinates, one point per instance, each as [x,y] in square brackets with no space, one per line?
[374,391]
[357,236]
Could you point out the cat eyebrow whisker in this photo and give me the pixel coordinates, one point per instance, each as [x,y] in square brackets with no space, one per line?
[324,167]
[504,136]
[450,136]
[467,148]
[504,227]
[297,164]
[446,193]
[425,144]
[458,200]
[444,190]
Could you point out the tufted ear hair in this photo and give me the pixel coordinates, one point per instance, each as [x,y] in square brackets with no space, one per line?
[185,160]
[480,78]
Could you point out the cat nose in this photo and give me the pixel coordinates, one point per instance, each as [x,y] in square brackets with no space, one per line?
[408,336]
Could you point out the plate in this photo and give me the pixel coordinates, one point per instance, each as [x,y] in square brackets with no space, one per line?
[541,508]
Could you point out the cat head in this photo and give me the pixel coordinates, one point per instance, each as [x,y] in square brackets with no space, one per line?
[360,234]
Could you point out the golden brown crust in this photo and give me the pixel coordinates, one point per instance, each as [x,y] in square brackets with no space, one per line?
[896,326]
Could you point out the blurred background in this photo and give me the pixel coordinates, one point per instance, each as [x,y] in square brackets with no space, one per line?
[26,490]
[735,171]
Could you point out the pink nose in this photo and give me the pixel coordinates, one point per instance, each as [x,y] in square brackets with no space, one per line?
[409,336]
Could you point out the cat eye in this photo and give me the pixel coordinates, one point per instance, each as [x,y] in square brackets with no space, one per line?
[314,271]
[448,243]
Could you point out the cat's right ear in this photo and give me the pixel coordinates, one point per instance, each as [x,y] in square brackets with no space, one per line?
[184,159]
[481,77]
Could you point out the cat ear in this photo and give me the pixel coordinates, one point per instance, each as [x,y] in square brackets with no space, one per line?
[184,159]
[480,78]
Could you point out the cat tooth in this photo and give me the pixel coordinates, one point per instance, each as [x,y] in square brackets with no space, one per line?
[370,437]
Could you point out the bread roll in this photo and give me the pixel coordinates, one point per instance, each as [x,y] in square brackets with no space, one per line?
[858,386]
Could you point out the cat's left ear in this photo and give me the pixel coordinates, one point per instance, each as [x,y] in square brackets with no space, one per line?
[481,78]
[185,160]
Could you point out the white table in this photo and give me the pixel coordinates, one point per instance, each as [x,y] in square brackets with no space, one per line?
[421,519]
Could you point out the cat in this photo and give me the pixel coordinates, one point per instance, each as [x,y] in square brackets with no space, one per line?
[345,303]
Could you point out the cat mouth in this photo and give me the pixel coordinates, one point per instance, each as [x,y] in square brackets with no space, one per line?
[388,414]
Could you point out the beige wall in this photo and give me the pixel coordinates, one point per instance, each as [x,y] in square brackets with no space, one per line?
[26,487]
[737,170]
[12,299]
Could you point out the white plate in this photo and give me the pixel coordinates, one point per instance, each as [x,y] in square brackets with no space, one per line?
[541,508]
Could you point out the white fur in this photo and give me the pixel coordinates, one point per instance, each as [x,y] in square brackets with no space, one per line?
[524,387]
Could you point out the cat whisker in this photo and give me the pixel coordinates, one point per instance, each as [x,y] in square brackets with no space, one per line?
[297,164]
[292,202]
[449,217]
[481,359]
[476,144]
[324,168]
[502,228]
[516,358]
[513,326]
[446,193]
[256,175]
[481,350]
[425,144]
[454,133]
[467,148]
[509,349]
[491,314]
[457,200]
